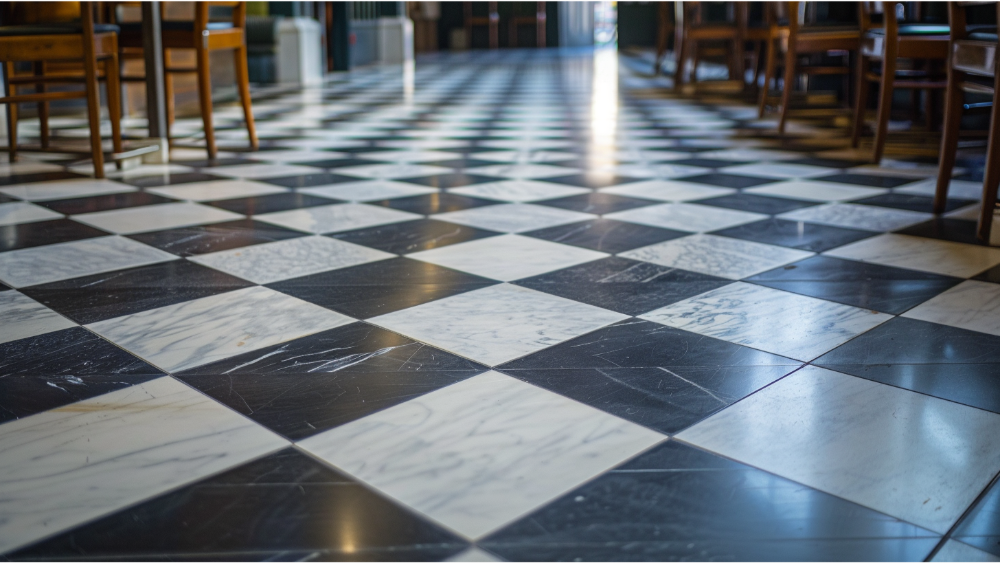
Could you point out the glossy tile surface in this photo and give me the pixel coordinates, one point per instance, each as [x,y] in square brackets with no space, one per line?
[22,317]
[927,255]
[513,217]
[686,217]
[972,305]
[336,218]
[149,218]
[717,256]
[878,459]
[852,216]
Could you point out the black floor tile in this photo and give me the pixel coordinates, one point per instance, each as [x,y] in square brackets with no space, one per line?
[592,180]
[910,202]
[188,241]
[981,527]
[16,179]
[434,203]
[73,351]
[103,202]
[606,235]
[795,234]
[869,286]
[623,285]
[27,235]
[272,203]
[413,236]
[336,162]
[377,288]
[946,362]
[460,164]
[310,180]
[708,162]
[105,296]
[991,275]
[637,343]
[943,228]
[172,179]
[737,181]
[25,395]
[676,503]
[283,502]
[597,203]
[213,162]
[873,180]
[456,180]
[826,162]
[757,203]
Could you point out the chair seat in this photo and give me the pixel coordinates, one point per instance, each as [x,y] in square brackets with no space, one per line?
[985,34]
[916,29]
[174,25]
[53,29]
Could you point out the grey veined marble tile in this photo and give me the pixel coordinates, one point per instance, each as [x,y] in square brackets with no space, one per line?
[972,305]
[66,466]
[55,262]
[162,216]
[194,333]
[518,190]
[687,217]
[336,218]
[912,456]
[854,216]
[920,253]
[480,453]
[513,217]
[717,256]
[795,326]
[65,189]
[22,317]
[497,323]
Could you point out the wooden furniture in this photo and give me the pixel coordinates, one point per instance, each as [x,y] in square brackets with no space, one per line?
[664,29]
[886,43]
[203,36]
[972,67]
[758,34]
[55,49]
[491,20]
[538,20]
[790,36]
[693,33]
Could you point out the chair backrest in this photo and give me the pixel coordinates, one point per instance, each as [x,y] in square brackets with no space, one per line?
[690,14]
[200,12]
[874,15]
[958,17]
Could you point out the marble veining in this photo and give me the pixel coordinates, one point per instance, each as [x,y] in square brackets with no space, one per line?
[287,259]
[687,217]
[482,452]
[919,253]
[65,466]
[854,216]
[665,190]
[497,323]
[146,218]
[22,212]
[815,191]
[717,256]
[193,333]
[22,317]
[912,456]
[63,189]
[507,257]
[972,305]
[518,190]
[513,217]
[217,189]
[368,190]
[63,261]
[791,325]
[336,218]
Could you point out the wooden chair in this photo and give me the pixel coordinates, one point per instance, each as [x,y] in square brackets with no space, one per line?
[693,32]
[791,36]
[664,29]
[886,43]
[756,33]
[491,21]
[537,20]
[47,44]
[203,36]
[972,67]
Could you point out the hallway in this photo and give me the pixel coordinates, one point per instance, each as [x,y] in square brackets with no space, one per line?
[508,305]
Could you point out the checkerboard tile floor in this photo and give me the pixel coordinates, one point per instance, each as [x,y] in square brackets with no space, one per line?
[531,308]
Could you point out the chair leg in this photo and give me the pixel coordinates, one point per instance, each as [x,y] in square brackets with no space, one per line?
[8,71]
[860,100]
[94,113]
[661,48]
[949,140]
[787,87]
[758,51]
[168,94]
[114,86]
[243,84]
[768,77]
[43,107]
[991,181]
[205,99]
[681,48]
[884,102]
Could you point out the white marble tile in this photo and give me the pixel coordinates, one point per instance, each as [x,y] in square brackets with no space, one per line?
[63,261]
[960,189]
[335,218]
[654,170]
[918,458]
[76,463]
[855,216]
[216,189]
[287,259]
[424,144]
[788,324]
[282,156]
[972,305]
[525,157]
[320,144]
[920,253]
[8,169]
[513,217]
[956,551]
[481,453]
[717,256]
[146,218]
[666,190]
[193,333]
[815,191]
[519,171]
[17,212]
[65,189]
[23,317]
[404,156]
[966,213]
[777,170]
[528,144]
[507,257]
[519,190]
[474,554]
[641,156]
[269,170]
[753,154]
[392,171]
[368,190]
[686,217]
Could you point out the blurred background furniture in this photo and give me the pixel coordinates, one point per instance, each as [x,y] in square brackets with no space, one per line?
[664,29]
[491,20]
[699,36]
[537,19]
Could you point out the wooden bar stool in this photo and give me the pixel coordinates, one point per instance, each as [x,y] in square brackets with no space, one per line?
[972,67]
[491,20]
[693,32]
[537,20]
[886,44]
[50,43]
[203,36]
